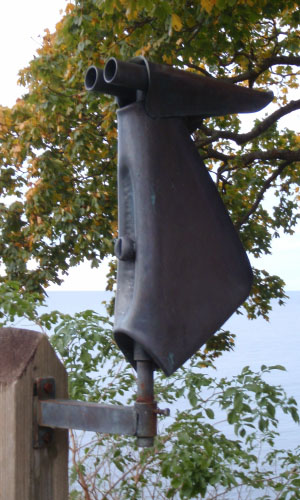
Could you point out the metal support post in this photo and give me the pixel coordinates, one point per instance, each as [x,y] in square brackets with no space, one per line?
[145,405]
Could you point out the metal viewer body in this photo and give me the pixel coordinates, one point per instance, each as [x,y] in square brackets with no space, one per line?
[184,270]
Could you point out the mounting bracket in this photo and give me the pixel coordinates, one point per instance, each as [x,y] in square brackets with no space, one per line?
[139,420]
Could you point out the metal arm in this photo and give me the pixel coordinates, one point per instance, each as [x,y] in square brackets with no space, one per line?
[139,420]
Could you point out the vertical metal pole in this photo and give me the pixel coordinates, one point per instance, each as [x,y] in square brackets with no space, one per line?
[145,405]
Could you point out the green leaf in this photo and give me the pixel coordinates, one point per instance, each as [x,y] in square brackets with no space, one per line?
[238,401]
[277,367]
[232,417]
[262,424]
[209,412]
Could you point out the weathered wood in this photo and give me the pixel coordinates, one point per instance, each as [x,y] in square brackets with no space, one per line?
[27,473]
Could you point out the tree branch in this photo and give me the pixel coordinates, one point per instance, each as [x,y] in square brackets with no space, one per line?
[273,154]
[255,132]
[197,68]
[216,155]
[268,122]
[252,75]
[261,193]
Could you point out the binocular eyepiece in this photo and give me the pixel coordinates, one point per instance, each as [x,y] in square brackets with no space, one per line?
[118,78]
[116,74]
[170,92]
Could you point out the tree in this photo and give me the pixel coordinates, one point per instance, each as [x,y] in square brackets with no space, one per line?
[58,143]
[58,156]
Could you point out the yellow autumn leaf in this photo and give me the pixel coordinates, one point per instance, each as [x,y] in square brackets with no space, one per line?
[143,50]
[69,8]
[112,134]
[30,241]
[16,150]
[167,59]
[22,125]
[208,5]
[176,22]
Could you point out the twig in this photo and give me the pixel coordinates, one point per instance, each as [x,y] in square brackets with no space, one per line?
[255,132]
[260,196]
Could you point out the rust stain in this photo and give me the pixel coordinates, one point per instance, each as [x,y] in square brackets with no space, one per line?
[145,399]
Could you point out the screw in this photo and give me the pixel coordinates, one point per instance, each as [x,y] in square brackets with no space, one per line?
[47,436]
[44,437]
[165,412]
[48,387]
[45,388]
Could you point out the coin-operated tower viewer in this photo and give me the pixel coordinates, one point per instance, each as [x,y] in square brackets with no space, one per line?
[182,270]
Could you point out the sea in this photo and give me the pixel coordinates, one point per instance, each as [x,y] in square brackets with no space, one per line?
[258,342]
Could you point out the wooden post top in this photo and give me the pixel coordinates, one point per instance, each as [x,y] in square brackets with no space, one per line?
[17,347]
[29,470]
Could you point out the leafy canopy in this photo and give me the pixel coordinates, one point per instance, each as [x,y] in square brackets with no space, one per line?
[58,143]
[58,167]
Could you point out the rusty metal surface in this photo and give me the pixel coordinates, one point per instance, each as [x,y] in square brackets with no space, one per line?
[145,405]
[68,414]
[44,389]
[139,420]
[147,423]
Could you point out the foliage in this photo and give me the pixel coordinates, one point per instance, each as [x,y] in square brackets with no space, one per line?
[58,182]
[194,455]
[58,143]
[220,440]
[17,303]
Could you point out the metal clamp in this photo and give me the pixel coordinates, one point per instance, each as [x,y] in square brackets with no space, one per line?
[43,391]
[139,420]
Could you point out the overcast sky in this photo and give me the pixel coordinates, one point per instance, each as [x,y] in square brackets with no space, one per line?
[22,25]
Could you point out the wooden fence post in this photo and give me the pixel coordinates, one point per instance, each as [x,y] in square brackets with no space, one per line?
[28,473]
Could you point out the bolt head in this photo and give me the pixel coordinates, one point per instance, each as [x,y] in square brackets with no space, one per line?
[48,387]
[125,248]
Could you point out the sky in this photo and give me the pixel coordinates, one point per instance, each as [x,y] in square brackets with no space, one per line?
[22,25]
